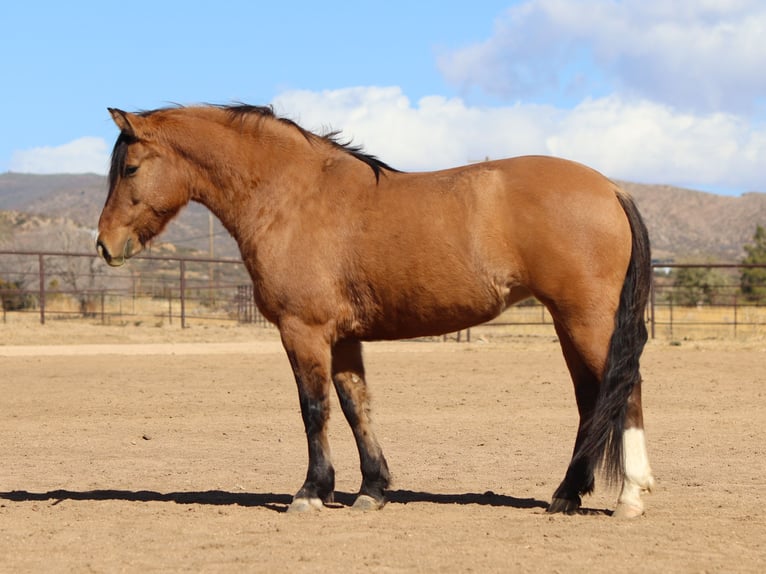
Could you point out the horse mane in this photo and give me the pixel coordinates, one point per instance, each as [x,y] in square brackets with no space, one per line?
[243,111]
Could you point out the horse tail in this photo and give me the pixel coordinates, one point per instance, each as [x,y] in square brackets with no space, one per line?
[603,438]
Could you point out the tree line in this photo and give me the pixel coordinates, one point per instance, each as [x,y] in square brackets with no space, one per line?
[702,285]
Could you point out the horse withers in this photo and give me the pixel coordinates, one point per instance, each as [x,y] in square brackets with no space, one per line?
[343,249]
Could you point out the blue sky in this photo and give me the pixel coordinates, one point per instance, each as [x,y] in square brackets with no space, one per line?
[644,90]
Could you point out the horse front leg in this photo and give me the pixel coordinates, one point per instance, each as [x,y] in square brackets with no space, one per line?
[309,354]
[349,380]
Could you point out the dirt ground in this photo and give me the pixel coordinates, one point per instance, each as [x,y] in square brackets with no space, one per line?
[146,449]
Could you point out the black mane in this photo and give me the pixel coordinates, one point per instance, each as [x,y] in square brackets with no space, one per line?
[333,137]
[119,153]
[242,111]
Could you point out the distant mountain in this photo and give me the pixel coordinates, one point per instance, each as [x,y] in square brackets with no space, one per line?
[684,225]
[695,226]
[78,197]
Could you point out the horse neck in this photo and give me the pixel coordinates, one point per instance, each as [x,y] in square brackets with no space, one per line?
[250,178]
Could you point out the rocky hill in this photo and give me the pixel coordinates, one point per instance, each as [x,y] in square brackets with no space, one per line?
[685,225]
[694,226]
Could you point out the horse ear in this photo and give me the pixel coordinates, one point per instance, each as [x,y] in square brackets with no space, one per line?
[123,121]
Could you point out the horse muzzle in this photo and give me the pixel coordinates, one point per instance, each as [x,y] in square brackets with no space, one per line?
[118,258]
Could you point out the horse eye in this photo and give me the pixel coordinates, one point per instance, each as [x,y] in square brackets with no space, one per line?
[130,170]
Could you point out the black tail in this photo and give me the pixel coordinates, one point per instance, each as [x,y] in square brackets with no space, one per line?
[603,437]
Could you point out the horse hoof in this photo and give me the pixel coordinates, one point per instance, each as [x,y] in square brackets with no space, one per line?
[627,511]
[365,502]
[303,505]
[564,505]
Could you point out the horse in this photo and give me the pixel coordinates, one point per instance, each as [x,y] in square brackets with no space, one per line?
[343,249]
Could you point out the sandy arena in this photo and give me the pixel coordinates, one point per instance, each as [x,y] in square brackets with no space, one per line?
[152,449]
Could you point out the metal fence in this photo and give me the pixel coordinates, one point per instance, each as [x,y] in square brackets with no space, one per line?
[62,285]
[185,290]
[709,303]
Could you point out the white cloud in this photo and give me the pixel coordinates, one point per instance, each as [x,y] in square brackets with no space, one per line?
[83,155]
[438,132]
[646,141]
[700,55]
[636,140]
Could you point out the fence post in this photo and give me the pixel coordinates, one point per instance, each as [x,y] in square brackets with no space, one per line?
[41,268]
[183,294]
[670,308]
[652,302]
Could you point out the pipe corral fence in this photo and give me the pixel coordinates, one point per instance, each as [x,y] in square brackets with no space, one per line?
[159,290]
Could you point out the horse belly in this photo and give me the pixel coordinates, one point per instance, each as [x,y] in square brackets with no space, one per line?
[430,308]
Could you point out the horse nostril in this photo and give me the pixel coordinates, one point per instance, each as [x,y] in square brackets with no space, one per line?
[103,251]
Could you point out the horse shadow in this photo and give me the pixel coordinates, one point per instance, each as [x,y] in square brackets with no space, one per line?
[274,501]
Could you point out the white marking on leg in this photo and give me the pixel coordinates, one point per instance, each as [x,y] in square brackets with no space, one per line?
[637,474]
[300,505]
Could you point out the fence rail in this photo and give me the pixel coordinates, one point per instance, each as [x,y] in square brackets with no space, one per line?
[165,288]
[63,285]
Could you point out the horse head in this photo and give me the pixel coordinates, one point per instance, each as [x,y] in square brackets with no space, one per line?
[147,187]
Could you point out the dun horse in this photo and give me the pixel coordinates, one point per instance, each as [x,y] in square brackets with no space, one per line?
[342,249]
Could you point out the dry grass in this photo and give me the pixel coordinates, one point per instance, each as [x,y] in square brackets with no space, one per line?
[676,323]
[671,324]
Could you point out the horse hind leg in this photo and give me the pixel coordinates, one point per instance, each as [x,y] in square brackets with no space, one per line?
[348,378]
[585,349]
[579,479]
[637,473]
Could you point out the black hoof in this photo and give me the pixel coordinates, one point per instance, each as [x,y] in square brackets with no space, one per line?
[564,505]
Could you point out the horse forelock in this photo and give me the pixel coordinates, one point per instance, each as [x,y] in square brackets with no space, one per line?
[119,155]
